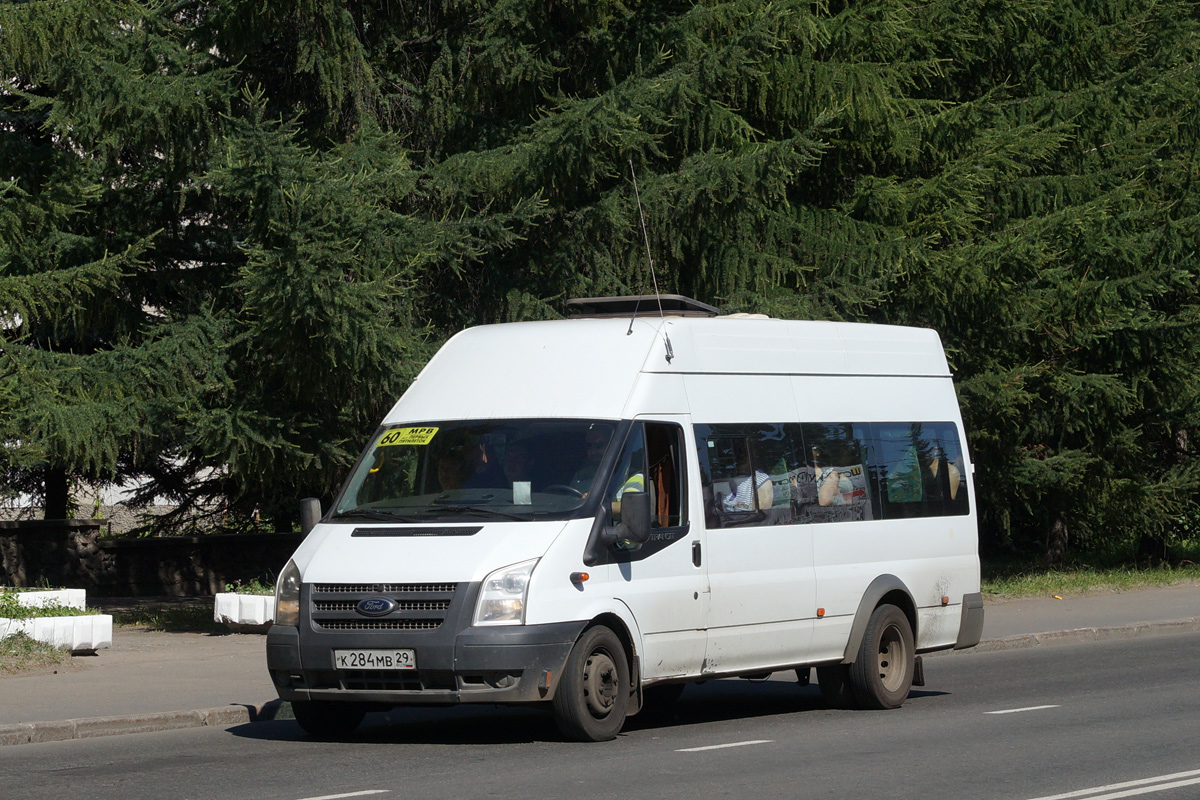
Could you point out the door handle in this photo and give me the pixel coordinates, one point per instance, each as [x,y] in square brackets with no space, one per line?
[696,553]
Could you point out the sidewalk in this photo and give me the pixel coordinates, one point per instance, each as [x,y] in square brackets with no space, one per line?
[153,681]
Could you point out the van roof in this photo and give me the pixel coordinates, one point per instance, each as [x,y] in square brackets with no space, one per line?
[587,368]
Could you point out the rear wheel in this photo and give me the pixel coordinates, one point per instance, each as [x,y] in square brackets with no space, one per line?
[882,673]
[328,719]
[593,695]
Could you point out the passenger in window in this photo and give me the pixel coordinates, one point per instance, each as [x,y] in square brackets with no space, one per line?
[842,486]
[742,499]
[945,476]
[833,486]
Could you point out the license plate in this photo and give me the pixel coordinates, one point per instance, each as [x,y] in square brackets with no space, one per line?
[375,659]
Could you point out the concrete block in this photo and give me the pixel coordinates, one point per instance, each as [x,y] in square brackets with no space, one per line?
[244,610]
[68,598]
[78,634]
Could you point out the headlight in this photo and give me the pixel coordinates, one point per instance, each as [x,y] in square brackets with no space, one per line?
[502,597]
[287,597]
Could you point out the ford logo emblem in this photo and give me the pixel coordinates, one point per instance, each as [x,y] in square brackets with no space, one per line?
[375,606]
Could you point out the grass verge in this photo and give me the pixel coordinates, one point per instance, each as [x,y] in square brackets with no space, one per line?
[19,653]
[1010,582]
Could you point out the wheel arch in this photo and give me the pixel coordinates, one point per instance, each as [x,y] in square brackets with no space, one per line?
[885,589]
[617,625]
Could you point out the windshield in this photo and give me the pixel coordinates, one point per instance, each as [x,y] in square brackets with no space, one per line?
[477,470]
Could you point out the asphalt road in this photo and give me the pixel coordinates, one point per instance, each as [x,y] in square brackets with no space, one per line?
[1095,721]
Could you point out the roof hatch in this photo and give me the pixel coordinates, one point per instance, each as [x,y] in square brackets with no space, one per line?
[640,305]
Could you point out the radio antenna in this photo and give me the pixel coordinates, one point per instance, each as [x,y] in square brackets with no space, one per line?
[650,261]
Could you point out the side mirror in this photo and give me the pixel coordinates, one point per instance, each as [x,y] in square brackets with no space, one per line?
[310,514]
[634,529]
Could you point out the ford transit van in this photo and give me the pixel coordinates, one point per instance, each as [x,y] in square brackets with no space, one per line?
[591,513]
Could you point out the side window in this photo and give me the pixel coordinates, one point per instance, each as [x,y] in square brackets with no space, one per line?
[947,481]
[919,470]
[835,480]
[748,474]
[652,461]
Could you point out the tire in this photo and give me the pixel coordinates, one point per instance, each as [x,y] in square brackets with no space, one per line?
[834,683]
[328,719]
[593,695]
[882,673]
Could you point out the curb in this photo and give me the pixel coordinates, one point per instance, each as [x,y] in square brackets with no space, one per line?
[90,727]
[1025,641]
[38,732]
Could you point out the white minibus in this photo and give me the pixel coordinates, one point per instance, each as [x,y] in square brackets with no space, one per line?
[591,513]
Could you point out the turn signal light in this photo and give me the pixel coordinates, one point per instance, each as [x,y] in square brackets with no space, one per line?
[579,577]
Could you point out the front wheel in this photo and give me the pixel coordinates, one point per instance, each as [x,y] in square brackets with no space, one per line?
[882,673]
[593,695]
[328,719]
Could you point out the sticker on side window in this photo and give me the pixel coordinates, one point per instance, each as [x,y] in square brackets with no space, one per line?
[410,436]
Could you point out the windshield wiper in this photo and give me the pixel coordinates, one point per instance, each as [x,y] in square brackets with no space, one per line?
[468,509]
[372,513]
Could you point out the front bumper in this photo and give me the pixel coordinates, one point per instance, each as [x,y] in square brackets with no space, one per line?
[456,663]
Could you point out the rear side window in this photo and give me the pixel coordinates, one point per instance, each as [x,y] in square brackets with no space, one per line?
[919,470]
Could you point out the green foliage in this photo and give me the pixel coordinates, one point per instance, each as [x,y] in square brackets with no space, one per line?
[234,232]
[255,586]
[1011,583]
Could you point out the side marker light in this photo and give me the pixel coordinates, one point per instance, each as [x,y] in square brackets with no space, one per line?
[579,577]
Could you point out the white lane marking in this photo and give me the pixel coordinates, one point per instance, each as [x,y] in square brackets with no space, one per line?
[723,746]
[1144,783]
[348,794]
[1019,710]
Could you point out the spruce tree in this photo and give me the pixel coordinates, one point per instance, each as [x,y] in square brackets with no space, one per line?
[105,115]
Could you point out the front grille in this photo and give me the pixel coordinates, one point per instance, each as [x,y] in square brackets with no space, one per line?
[419,606]
[408,605]
[380,625]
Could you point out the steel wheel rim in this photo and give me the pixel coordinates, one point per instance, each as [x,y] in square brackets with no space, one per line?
[600,683]
[893,659]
